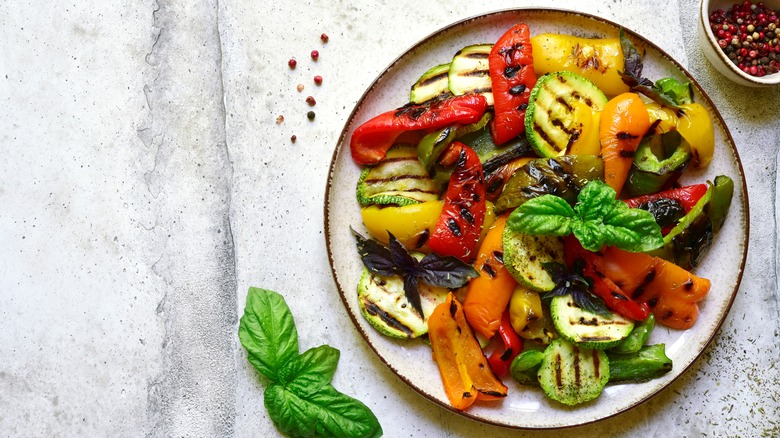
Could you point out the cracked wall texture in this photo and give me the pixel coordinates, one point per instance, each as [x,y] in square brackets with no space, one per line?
[145,185]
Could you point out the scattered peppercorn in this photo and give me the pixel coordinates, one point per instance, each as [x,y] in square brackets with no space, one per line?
[310,115]
[299,87]
[324,38]
[318,79]
[293,138]
[746,32]
[310,100]
[292,63]
[315,55]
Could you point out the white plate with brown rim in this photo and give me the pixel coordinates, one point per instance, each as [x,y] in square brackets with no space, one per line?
[529,408]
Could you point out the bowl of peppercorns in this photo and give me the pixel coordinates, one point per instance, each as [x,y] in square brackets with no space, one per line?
[742,40]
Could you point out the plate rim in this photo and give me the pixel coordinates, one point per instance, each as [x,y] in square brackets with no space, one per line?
[340,144]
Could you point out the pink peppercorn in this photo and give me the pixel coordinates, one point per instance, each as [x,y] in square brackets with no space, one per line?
[315,55]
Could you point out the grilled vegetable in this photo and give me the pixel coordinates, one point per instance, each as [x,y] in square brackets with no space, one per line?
[669,206]
[384,305]
[573,375]
[524,255]
[599,60]
[692,236]
[525,307]
[693,122]
[561,176]
[637,338]
[491,155]
[624,121]
[525,367]
[553,121]
[512,77]
[371,140]
[512,345]
[470,73]
[463,366]
[586,329]
[648,363]
[411,224]
[458,230]
[433,84]
[487,295]
[659,161]
[671,292]
[399,179]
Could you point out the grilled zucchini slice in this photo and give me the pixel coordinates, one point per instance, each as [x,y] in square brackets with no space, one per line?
[571,374]
[586,329]
[470,73]
[384,305]
[399,179]
[553,121]
[434,83]
[524,255]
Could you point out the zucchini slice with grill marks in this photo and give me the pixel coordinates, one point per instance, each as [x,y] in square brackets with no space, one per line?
[571,374]
[433,84]
[524,255]
[554,119]
[469,72]
[586,329]
[399,179]
[384,305]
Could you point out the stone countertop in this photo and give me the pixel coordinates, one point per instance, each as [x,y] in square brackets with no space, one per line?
[145,185]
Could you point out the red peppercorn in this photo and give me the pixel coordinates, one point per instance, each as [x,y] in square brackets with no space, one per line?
[310,100]
[315,55]
[324,38]
[293,138]
[318,79]
[292,63]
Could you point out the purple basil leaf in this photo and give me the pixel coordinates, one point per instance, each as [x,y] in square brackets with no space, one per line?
[404,262]
[448,272]
[556,270]
[376,257]
[590,302]
[632,59]
[413,293]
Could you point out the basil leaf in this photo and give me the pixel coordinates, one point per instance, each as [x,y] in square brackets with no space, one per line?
[307,373]
[267,331]
[589,234]
[595,201]
[632,229]
[326,412]
[680,93]
[546,214]
[375,256]
[412,293]
[448,272]
[404,262]
[632,59]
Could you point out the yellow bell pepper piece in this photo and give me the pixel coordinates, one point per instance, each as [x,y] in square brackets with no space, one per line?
[408,223]
[693,122]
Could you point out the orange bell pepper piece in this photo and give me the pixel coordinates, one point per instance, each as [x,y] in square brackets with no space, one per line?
[624,121]
[463,367]
[671,292]
[488,295]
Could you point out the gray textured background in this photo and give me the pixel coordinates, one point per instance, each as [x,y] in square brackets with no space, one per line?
[145,185]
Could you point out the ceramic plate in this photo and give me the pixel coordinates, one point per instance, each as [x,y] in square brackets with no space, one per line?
[411,360]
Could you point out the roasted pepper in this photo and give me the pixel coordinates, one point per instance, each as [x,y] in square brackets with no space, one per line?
[458,229]
[624,120]
[669,206]
[488,295]
[614,297]
[693,122]
[525,307]
[412,224]
[512,77]
[600,60]
[659,161]
[463,367]
[372,139]
[670,291]
[501,359]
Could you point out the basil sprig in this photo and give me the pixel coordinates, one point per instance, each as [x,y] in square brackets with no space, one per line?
[597,219]
[394,259]
[300,399]
[633,63]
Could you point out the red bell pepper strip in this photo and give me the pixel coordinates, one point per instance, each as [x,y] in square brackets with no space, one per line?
[687,196]
[501,359]
[372,139]
[460,223]
[512,76]
[593,269]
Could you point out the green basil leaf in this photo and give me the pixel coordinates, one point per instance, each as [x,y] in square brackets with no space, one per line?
[307,373]
[546,214]
[267,331]
[590,234]
[595,201]
[326,413]
[632,229]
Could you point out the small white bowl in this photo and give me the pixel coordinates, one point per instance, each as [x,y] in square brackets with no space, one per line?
[715,54]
